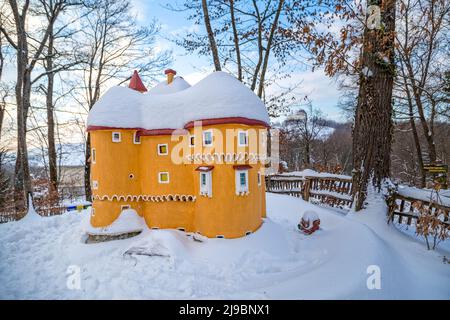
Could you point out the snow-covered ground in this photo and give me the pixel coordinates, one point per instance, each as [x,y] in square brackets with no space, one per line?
[42,258]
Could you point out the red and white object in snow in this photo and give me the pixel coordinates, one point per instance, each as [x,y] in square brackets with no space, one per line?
[310,222]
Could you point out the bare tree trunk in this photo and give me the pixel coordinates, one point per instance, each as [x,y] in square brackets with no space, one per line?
[236,41]
[412,123]
[53,170]
[307,153]
[268,47]
[22,179]
[212,40]
[372,134]
[260,47]
[429,138]
[87,169]
[2,95]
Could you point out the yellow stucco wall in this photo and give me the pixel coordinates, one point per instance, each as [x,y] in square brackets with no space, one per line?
[225,213]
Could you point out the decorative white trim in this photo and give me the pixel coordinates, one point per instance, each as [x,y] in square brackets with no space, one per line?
[225,157]
[146,198]
[159,177]
[119,139]
[167,149]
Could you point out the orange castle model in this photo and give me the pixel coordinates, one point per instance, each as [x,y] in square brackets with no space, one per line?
[179,156]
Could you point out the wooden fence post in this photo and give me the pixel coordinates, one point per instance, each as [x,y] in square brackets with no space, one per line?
[306,189]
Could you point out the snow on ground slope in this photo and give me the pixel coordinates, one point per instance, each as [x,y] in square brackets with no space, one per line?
[39,257]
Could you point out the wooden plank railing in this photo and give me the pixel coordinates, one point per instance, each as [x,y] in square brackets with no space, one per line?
[333,191]
[401,209]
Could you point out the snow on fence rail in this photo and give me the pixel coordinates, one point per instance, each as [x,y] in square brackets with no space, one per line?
[331,189]
[403,211]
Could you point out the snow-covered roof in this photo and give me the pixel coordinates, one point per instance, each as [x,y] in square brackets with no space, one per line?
[219,95]
[178,84]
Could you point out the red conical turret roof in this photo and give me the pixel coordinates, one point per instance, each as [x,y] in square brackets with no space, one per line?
[136,83]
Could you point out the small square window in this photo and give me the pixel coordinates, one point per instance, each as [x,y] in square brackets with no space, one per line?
[136,138]
[95,184]
[125,207]
[259,178]
[207,138]
[163,177]
[163,149]
[93,155]
[93,212]
[192,141]
[116,137]
[242,138]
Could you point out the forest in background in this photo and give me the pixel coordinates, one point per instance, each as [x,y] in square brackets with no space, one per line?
[389,57]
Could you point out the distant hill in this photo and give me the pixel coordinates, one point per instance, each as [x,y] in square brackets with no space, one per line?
[68,155]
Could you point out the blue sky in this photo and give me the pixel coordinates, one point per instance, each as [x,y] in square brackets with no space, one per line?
[320,89]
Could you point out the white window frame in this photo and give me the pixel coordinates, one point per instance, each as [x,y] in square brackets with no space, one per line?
[239,188]
[190,140]
[135,134]
[116,140]
[167,149]
[93,155]
[239,138]
[94,184]
[124,207]
[159,177]
[206,190]
[203,138]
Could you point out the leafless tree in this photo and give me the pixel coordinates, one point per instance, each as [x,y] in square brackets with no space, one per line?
[29,47]
[305,127]
[422,51]
[243,38]
[211,37]
[114,45]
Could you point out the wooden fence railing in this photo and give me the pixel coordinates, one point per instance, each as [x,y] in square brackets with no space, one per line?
[333,191]
[401,209]
[8,214]
[337,192]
